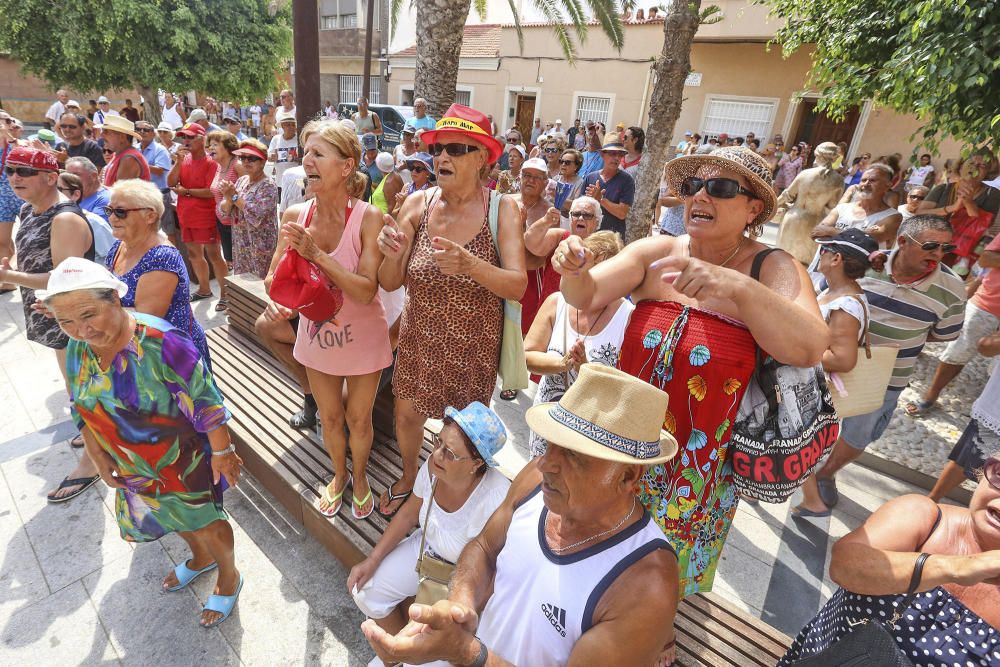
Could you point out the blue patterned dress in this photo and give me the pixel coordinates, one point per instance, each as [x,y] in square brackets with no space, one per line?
[179,314]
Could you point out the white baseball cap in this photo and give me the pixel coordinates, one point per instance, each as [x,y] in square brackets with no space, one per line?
[77,273]
[536,163]
[384,162]
[102,99]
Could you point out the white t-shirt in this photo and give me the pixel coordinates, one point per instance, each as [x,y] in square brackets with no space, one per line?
[287,151]
[849,305]
[55,112]
[448,533]
[919,175]
[255,116]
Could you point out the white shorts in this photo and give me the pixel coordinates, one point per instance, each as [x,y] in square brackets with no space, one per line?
[978,323]
[393,581]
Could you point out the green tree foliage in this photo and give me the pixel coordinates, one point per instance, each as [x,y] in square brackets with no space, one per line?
[936,59]
[232,49]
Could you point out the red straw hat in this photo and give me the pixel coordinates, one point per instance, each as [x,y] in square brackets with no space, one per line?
[473,124]
[26,156]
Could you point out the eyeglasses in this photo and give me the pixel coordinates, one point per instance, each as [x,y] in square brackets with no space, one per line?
[108,151]
[145,130]
[417,169]
[122,213]
[512,140]
[526,176]
[720,188]
[991,471]
[933,245]
[567,162]
[23,172]
[581,215]
[454,150]
[915,196]
[67,126]
[550,150]
[446,451]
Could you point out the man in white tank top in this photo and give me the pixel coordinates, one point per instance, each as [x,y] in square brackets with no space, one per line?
[570,567]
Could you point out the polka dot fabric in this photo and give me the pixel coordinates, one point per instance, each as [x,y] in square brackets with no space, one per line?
[936,630]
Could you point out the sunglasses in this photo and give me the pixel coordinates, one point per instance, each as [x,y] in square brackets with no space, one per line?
[933,245]
[550,150]
[418,169]
[122,213]
[23,172]
[991,471]
[65,126]
[720,188]
[581,215]
[248,158]
[108,151]
[512,140]
[454,150]
[145,130]
[567,162]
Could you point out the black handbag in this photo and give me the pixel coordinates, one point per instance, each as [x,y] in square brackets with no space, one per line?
[869,643]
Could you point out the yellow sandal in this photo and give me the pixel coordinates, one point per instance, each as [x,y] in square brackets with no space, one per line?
[334,502]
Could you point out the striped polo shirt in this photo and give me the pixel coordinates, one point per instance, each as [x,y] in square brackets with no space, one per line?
[906,316]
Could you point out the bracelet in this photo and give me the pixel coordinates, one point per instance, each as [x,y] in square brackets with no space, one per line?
[484,654]
[231,449]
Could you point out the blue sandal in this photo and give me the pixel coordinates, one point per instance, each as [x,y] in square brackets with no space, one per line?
[186,575]
[223,604]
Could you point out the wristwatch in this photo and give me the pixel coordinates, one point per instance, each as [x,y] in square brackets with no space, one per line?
[484,654]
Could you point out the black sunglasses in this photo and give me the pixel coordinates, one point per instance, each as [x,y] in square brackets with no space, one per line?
[66,126]
[581,215]
[720,188]
[23,172]
[122,213]
[567,162]
[145,130]
[991,471]
[933,245]
[454,150]
[550,150]
[248,158]
[108,151]
[512,140]
[418,169]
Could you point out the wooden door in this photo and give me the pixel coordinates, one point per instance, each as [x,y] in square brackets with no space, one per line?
[817,127]
[524,117]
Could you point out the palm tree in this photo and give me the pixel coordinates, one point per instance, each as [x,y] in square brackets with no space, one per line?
[440,23]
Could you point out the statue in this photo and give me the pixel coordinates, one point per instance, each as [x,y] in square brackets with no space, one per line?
[808,199]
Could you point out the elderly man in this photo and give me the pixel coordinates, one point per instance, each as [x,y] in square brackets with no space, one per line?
[231,121]
[612,187]
[95,196]
[201,117]
[127,162]
[915,300]
[104,111]
[56,110]
[513,137]
[284,150]
[72,126]
[554,577]
[165,137]
[158,158]
[287,103]
[420,120]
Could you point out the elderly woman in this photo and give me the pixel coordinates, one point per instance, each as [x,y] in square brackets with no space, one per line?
[789,167]
[153,423]
[10,203]
[461,483]
[563,338]
[509,181]
[152,269]
[421,169]
[337,232]
[457,274]
[567,184]
[550,150]
[251,201]
[220,145]
[927,573]
[698,322]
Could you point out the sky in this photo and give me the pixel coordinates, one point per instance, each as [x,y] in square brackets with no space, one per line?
[497,11]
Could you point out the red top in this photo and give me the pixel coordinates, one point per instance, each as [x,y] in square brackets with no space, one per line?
[987,297]
[542,282]
[111,171]
[197,212]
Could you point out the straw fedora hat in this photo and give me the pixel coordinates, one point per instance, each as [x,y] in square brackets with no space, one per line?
[607,414]
[119,124]
[737,158]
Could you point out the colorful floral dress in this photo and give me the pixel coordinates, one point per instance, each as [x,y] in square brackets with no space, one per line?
[255,234]
[151,411]
[703,361]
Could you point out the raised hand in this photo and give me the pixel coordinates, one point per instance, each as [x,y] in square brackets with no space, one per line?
[391,241]
[571,257]
[301,239]
[452,259]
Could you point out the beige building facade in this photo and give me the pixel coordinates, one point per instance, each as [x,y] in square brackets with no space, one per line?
[738,84]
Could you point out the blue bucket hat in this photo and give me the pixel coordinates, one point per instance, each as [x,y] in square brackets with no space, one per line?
[483,427]
[423,158]
[369,141]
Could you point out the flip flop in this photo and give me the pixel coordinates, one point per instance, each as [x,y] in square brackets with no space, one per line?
[83,482]
[222,305]
[805,513]
[828,493]
[508,395]
[358,504]
[918,408]
[393,498]
[77,441]
[334,501]
[198,297]
[223,604]
[186,575]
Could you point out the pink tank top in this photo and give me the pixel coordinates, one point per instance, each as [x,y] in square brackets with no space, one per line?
[356,340]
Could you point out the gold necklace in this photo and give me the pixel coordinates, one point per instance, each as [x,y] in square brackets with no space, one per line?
[621,523]
[728,259]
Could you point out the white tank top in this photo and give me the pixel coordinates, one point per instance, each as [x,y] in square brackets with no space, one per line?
[171,116]
[542,603]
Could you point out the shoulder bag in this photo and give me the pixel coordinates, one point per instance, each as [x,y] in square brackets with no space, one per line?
[784,426]
[433,573]
[869,643]
[513,369]
[862,389]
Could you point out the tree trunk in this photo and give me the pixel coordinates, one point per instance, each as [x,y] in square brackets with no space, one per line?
[150,105]
[671,69]
[439,29]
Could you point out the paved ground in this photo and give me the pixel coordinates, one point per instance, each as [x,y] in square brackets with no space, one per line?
[72,592]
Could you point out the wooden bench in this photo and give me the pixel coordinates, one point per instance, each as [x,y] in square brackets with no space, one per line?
[293,465]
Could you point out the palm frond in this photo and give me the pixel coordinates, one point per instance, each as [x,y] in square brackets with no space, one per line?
[709,15]
[606,13]
[552,10]
[395,7]
[517,24]
[480,7]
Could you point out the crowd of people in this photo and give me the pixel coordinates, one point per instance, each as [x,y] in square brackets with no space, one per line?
[433,266]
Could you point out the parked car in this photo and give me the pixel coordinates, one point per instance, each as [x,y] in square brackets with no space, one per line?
[393,118]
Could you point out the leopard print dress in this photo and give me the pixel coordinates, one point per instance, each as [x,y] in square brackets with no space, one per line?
[450,331]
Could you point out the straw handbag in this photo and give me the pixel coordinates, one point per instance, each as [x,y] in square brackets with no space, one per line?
[862,389]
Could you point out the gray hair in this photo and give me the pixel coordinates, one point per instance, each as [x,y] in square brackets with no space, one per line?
[142,194]
[419,100]
[84,163]
[917,224]
[884,168]
[587,202]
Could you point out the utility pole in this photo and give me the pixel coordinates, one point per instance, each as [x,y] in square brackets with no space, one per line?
[305,21]
[369,30]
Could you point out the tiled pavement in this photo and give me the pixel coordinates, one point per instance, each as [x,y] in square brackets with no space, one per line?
[72,592]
